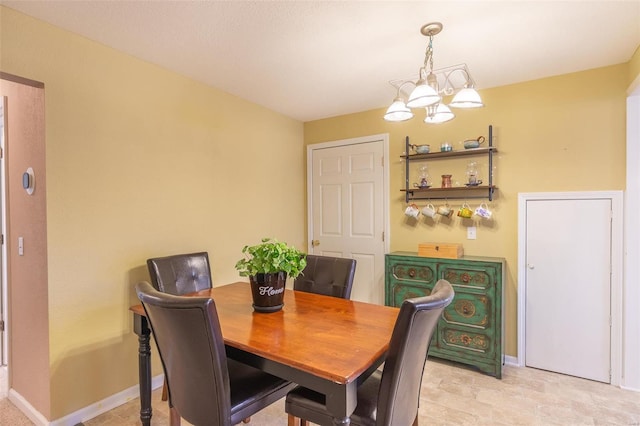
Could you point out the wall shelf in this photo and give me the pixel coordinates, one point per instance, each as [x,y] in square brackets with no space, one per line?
[480,191]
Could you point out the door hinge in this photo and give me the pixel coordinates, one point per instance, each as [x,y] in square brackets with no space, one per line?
[382,236]
[1,325]
[382,161]
[1,238]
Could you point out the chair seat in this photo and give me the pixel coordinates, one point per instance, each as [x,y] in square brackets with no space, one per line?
[309,405]
[253,390]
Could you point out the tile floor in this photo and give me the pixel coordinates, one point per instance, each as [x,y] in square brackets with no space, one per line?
[452,395]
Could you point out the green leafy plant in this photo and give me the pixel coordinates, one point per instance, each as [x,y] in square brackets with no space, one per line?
[271,256]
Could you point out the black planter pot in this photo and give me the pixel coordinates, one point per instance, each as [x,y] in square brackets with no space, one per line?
[268,291]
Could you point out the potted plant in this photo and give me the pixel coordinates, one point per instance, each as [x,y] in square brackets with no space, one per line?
[267,265]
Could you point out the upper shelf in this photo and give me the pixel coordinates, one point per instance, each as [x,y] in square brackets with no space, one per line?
[461,153]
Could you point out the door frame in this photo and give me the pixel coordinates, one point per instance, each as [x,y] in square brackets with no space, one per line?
[617,264]
[4,283]
[384,137]
[631,330]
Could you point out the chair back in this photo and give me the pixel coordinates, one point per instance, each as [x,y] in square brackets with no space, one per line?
[331,276]
[181,273]
[189,340]
[402,374]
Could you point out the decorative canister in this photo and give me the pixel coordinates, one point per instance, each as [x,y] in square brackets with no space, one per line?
[446,181]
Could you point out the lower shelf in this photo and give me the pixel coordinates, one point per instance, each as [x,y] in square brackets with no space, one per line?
[482,191]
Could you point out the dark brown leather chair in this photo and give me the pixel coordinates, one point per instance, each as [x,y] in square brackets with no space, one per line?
[205,387]
[390,397]
[181,273]
[331,276]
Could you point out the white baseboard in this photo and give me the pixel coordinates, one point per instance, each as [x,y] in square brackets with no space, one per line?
[4,381]
[511,361]
[101,407]
[629,388]
[23,405]
[86,413]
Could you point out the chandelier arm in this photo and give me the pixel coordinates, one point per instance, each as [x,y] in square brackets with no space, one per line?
[469,79]
[448,88]
[401,84]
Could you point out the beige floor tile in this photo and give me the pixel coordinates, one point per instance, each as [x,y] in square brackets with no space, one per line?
[10,415]
[451,395]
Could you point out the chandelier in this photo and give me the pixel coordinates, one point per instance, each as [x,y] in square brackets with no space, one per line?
[431,85]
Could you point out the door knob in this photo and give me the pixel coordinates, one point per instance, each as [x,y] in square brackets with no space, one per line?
[315,243]
[530,266]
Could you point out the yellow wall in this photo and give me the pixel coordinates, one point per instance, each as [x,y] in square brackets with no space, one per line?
[556,134]
[141,162]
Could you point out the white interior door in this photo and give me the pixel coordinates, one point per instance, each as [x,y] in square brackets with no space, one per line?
[347,209]
[568,287]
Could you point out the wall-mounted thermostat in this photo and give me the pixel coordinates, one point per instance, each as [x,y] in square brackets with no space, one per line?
[29,181]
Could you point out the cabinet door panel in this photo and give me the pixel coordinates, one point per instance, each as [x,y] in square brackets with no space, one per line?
[474,277]
[471,310]
[409,271]
[401,291]
[459,340]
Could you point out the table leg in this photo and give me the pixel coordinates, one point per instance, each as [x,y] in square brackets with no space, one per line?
[141,328]
[174,417]
[342,402]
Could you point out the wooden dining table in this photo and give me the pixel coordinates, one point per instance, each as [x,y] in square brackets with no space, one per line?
[324,343]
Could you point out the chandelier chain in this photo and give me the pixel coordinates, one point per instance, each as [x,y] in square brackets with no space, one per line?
[428,58]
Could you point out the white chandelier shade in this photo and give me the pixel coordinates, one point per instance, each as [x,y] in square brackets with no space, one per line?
[466,98]
[423,96]
[398,111]
[438,114]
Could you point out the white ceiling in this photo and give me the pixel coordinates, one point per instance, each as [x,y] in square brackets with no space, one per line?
[317,59]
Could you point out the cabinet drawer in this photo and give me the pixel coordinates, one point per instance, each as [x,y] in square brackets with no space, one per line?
[473,277]
[398,291]
[461,341]
[406,271]
[469,310]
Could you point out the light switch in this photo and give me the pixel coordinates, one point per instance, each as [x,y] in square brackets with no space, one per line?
[20,246]
[471,233]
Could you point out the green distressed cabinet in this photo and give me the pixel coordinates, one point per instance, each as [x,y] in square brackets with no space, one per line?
[471,328]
